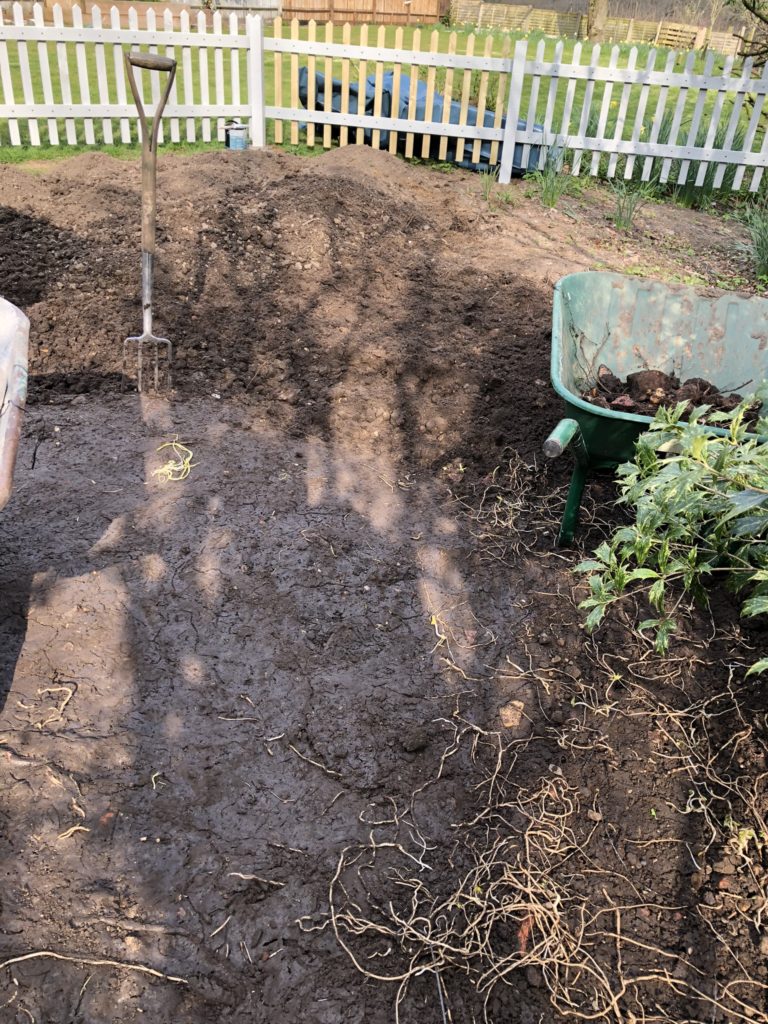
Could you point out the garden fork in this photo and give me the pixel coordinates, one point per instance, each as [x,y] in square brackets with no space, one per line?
[150,62]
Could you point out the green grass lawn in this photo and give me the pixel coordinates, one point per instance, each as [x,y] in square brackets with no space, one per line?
[496,43]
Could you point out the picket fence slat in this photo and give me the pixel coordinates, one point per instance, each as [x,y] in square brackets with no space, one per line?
[429,108]
[346,39]
[414,80]
[294,81]
[393,136]
[622,116]
[327,93]
[585,112]
[26,77]
[466,89]
[642,105]
[62,63]
[170,51]
[733,125]
[533,100]
[277,29]
[447,97]
[234,61]
[593,104]
[311,71]
[38,16]
[186,74]
[7,83]
[362,75]
[218,75]
[482,100]
[501,92]
[378,87]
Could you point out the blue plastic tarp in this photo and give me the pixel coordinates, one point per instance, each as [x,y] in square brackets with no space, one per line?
[420,115]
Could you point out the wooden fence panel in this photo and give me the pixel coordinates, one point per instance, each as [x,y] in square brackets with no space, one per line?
[382,12]
[530,18]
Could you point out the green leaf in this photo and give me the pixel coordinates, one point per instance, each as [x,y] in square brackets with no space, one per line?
[648,624]
[755,606]
[759,666]
[589,565]
[656,594]
[595,617]
[642,574]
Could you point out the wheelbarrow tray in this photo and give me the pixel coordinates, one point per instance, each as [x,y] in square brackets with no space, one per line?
[629,324]
[14,335]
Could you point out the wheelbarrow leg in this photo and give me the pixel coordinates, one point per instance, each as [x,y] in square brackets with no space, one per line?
[568,433]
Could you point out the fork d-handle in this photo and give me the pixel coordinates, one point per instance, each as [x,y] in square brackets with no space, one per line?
[150,62]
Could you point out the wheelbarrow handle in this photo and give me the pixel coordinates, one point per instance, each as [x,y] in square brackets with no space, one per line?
[150,62]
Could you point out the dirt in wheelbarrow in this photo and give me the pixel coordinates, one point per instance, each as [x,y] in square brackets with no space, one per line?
[345,640]
[646,391]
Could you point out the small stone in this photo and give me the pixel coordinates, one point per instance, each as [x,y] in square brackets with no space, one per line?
[511,714]
[414,740]
[594,815]
[764,945]
[724,867]
[623,403]
[544,639]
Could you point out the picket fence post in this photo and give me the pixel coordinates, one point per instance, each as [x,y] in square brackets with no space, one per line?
[255,29]
[516,81]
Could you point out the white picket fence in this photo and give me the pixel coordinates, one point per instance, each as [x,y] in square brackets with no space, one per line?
[66,84]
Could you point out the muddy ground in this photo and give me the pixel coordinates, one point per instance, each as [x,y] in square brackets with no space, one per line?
[212,688]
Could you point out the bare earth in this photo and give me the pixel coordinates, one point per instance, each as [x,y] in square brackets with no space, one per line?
[210,688]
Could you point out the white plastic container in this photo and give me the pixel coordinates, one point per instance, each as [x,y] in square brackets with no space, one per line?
[14,354]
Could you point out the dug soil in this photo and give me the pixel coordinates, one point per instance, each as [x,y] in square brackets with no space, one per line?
[296,700]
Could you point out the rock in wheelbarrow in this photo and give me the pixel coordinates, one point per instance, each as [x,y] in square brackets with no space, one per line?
[607,381]
[646,385]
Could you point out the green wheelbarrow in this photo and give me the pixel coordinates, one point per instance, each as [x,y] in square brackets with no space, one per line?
[630,324]
[14,336]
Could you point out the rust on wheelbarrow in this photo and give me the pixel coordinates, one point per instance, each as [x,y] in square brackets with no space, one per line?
[14,353]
